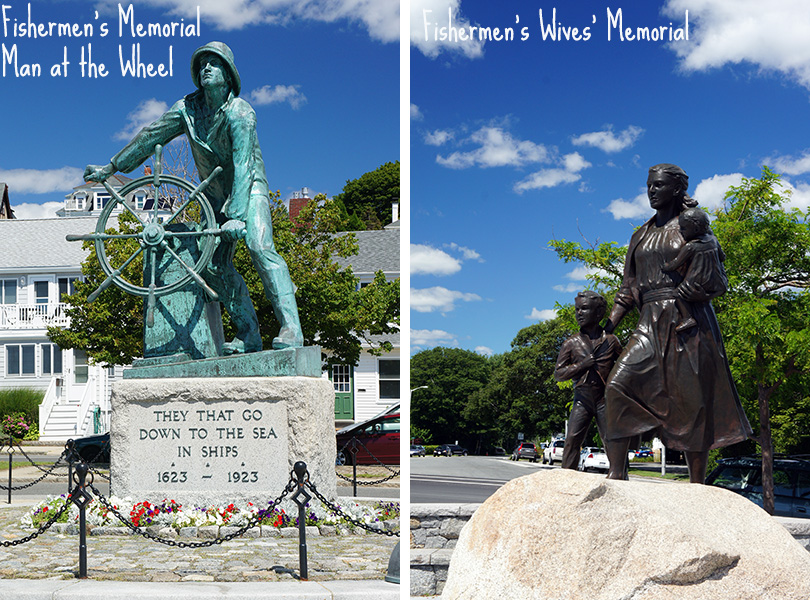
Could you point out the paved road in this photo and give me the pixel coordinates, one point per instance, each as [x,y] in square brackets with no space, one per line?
[473,479]
[462,479]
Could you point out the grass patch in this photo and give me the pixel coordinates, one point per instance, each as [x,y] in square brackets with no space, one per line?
[657,474]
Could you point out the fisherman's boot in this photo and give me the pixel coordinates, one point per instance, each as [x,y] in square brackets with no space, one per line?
[290,335]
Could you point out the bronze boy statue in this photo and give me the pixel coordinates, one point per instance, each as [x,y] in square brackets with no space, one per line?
[587,358]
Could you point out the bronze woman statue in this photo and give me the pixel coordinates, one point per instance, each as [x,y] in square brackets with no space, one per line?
[676,383]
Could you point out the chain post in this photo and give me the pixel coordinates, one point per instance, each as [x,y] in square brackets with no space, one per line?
[81,498]
[354,467]
[301,497]
[10,455]
[71,457]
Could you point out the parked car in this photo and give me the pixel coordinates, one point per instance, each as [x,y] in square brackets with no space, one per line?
[449,450]
[595,458]
[554,452]
[417,450]
[643,452]
[378,440]
[525,450]
[94,449]
[791,482]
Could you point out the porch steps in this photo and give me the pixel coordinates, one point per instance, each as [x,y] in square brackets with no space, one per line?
[61,424]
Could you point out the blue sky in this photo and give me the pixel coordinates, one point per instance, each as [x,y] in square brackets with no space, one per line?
[322,76]
[514,143]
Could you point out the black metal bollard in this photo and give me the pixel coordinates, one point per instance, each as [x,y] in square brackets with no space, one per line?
[80,497]
[353,450]
[10,455]
[301,497]
[71,457]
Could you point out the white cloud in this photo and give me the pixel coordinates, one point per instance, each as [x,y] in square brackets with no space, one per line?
[432,337]
[438,137]
[438,299]
[772,38]
[607,141]
[790,165]
[145,113]
[496,148]
[484,350]
[575,162]
[379,17]
[630,209]
[799,195]
[416,114]
[546,178]
[32,181]
[568,288]
[29,210]
[435,13]
[711,192]
[426,260]
[542,315]
[467,253]
[268,94]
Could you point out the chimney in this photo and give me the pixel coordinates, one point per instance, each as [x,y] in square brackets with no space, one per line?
[297,202]
[394,212]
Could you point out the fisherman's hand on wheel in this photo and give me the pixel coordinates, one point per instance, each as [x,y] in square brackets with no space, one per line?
[98,173]
[233,230]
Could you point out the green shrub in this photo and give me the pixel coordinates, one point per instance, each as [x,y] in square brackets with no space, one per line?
[429,449]
[21,400]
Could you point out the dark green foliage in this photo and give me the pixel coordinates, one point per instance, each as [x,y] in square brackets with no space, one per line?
[521,396]
[21,400]
[369,198]
[452,377]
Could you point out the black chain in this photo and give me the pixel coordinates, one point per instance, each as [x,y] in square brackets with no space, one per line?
[252,522]
[99,473]
[50,469]
[336,510]
[42,528]
[350,479]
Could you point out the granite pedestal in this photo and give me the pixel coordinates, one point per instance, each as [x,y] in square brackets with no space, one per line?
[216,440]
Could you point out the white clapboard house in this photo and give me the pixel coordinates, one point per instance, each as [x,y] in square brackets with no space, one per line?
[37,268]
[373,385]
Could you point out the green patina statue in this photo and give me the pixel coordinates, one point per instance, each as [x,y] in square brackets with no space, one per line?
[221,130]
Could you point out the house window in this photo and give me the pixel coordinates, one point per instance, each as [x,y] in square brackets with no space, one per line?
[80,369]
[20,359]
[76,202]
[140,200]
[51,359]
[101,200]
[66,286]
[389,378]
[41,292]
[8,291]
[341,378]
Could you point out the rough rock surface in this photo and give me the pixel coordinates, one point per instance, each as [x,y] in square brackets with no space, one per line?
[568,535]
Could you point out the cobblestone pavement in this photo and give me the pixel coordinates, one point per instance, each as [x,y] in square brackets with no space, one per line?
[133,558]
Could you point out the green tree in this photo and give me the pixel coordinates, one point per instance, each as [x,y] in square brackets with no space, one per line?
[368,199]
[764,316]
[335,314]
[452,376]
[521,395]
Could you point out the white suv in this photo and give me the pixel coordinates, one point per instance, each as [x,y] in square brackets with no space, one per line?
[554,452]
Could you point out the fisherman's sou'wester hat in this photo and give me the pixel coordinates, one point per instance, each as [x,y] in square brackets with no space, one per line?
[224,52]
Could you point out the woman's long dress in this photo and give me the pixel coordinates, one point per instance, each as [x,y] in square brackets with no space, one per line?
[676,383]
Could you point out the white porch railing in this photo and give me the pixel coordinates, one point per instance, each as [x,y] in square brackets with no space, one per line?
[48,402]
[33,316]
[89,399]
